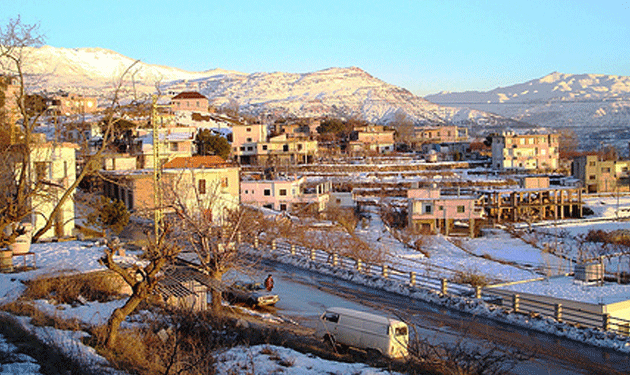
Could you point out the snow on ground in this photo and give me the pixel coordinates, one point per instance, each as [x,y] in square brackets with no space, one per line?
[268,359]
[468,254]
[82,256]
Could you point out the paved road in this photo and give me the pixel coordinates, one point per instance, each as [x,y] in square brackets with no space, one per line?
[304,295]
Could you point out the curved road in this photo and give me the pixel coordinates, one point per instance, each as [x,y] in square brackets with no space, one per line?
[304,295]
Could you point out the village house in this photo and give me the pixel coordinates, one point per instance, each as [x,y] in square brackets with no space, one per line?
[597,175]
[67,104]
[53,167]
[252,144]
[291,194]
[10,103]
[432,212]
[439,134]
[525,151]
[198,181]
[189,101]
[373,139]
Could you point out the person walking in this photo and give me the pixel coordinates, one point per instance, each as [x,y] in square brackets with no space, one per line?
[269,283]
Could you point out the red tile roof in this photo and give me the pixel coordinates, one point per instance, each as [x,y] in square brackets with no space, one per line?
[189,95]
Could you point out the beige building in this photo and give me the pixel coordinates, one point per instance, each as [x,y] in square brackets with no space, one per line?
[189,101]
[53,169]
[597,175]
[74,104]
[525,151]
[198,181]
[439,134]
[252,144]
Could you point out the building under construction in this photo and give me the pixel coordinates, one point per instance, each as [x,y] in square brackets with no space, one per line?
[532,204]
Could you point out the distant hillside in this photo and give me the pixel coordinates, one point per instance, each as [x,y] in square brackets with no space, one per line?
[595,106]
[347,92]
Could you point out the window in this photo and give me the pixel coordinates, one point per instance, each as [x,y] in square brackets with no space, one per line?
[248,129]
[242,148]
[591,163]
[331,317]
[591,177]
[249,139]
[427,208]
[267,192]
[250,148]
[264,147]
[283,206]
[283,192]
[605,170]
[400,331]
[285,148]
[224,182]
[202,186]
[461,209]
[41,170]
[440,208]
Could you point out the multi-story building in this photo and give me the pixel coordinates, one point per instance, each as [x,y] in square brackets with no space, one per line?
[374,138]
[189,101]
[597,175]
[289,194]
[198,181]
[53,169]
[525,151]
[432,212]
[67,104]
[439,134]
[252,144]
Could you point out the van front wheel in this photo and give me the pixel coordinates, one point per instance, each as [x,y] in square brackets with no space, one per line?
[373,353]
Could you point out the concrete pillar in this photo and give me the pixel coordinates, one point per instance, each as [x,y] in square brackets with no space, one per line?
[516,301]
[558,312]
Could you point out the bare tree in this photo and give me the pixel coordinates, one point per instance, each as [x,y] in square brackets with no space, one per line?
[18,186]
[209,221]
[142,280]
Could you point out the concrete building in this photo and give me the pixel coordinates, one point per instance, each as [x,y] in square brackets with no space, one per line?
[291,194]
[597,175]
[252,144]
[525,151]
[198,181]
[431,212]
[189,101]
[53,169]
[439,134]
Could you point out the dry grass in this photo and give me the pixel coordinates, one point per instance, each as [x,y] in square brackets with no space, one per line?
[99,286]
[470,277]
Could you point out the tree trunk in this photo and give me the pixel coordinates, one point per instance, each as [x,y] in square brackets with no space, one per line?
[121,313]
[216,297]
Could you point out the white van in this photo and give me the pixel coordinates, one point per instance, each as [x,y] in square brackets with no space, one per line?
[346,327]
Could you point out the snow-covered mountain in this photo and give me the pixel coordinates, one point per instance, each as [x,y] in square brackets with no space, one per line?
[348,92]
[595,106]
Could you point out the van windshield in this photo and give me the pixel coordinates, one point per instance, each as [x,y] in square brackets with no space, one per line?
[400,331]
[331,317]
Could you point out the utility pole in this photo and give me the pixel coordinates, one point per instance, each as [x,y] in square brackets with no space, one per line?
[157,170]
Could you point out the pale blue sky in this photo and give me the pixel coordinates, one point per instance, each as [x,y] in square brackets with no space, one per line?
[423,46]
